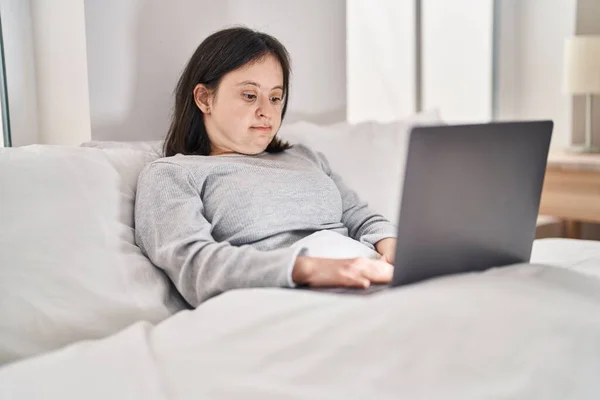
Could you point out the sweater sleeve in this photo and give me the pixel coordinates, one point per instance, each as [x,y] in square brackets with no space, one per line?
[172,231]
[363,224]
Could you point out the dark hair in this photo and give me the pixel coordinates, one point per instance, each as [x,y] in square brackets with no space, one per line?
[220,53]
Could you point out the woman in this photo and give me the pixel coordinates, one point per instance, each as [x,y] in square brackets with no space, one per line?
[222,209]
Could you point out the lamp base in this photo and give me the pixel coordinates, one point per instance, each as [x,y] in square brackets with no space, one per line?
[582,149]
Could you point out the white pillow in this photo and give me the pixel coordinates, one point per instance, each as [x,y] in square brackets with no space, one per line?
[329,244]
[426,117]
[69,267]
[370,157]
[153,146]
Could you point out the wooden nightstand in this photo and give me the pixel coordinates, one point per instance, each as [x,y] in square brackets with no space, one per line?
[572,190]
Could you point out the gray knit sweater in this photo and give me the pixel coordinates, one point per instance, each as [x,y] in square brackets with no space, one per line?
[215,223]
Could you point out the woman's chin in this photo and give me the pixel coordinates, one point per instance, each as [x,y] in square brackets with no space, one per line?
[253,150]
[260,145]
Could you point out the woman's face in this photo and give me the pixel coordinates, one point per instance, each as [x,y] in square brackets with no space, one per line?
[244,113]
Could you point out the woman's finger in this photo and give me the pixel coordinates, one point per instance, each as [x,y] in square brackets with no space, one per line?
[379,271]
[356,281]
[353,274]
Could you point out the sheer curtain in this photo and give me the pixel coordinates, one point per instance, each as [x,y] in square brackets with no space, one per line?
[405,56]
[380,59]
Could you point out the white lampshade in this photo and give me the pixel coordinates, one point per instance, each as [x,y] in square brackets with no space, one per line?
[582,65]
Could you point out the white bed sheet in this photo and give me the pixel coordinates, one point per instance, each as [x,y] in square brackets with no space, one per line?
[525,331]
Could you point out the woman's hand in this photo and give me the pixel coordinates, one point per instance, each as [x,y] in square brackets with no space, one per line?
[351,272]
[387,248]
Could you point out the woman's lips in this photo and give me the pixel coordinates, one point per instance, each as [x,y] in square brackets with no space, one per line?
[261,128]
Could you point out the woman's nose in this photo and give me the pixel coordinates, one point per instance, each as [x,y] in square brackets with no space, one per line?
[264,108]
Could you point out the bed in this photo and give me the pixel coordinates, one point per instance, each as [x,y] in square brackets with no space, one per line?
[524,331]
[85,315]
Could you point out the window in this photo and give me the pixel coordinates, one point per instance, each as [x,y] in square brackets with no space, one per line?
[405,56]
[5,139]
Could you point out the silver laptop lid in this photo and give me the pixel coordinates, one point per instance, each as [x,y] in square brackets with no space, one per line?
[470,198]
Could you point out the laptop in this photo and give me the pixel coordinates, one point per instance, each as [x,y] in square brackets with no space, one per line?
[470,199]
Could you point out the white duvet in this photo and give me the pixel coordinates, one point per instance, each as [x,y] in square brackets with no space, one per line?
[519,332]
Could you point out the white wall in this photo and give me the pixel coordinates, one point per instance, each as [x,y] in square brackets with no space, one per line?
[61,71]
[136,52]
[508,37]
[20,71]
[137,49]
[587,23]
[531,60]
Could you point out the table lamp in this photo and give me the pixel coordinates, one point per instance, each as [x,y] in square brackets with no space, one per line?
[582,77]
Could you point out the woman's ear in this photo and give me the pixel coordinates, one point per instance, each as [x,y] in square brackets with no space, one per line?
[202,98]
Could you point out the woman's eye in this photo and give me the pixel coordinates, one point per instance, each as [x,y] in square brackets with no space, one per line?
[249,96]
[275,99]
